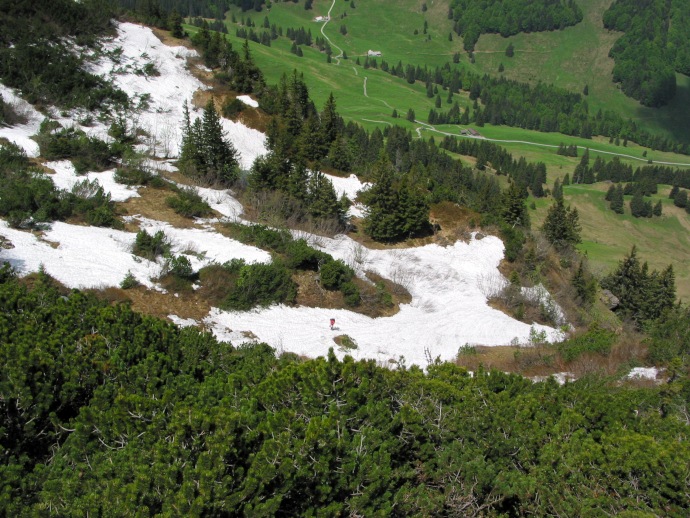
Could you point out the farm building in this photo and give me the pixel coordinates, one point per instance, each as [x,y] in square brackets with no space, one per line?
[374,53]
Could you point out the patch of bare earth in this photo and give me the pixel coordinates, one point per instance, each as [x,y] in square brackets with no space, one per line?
[152,205]
[157,304]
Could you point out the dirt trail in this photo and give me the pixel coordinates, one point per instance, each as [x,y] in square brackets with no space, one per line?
[328,19]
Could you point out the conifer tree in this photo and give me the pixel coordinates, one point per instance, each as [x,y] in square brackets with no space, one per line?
[382,221]
[513,209]
[617,200]
[562,225]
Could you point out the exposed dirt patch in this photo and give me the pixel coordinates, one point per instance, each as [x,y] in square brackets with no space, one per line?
[152,205]
[187,305]
[507,358]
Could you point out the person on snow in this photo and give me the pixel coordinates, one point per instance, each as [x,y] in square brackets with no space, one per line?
[332,323]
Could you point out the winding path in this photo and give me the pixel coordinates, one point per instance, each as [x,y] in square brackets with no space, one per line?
[328,19]
[429,127]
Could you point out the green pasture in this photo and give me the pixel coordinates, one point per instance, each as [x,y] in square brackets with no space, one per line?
[607,237]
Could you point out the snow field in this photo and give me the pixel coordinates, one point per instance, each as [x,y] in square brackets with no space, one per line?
[447,311]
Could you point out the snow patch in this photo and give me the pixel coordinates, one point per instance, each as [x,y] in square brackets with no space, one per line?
[66,177]
[182,322]
[447,308]
[248,101]
[20,134]
[647,373]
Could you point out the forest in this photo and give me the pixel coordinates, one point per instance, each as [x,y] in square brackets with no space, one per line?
[509,17]
[653,48]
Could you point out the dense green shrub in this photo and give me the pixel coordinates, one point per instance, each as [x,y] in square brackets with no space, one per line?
[151,246]
[334,274]
[596,340]
[29,198]
[259,285]
[302,256]
[232,108]
[100,401]
[139,176]
[264,237]
[178,266]
[351,293]
[187,202]
[87,153]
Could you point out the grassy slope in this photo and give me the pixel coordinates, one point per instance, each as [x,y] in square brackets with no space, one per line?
[607,237]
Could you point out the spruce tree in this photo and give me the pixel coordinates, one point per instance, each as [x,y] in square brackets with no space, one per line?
[562,225]
[681,199]
[382,220]
[637,205]
[220,158]
[617,200]
[513,208]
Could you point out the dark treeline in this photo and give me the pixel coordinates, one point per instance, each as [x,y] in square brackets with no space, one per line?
[541,107]
[104,410]
[509,17]
[160,9]
[654,47]
[524,174]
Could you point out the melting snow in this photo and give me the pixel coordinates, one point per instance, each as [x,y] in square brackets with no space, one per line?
[648,373]
[66,177]
[21,134]
[448,308]
[248,101]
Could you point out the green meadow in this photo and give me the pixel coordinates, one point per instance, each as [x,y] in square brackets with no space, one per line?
[607,236]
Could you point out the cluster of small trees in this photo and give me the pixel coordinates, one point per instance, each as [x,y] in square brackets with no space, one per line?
[643,295]
[237,69]
[569,150]
[205,151]
[396,210]
[680,198]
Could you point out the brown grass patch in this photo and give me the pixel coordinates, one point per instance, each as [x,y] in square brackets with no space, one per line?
[152,205]
[154,303]
[311,294]
[167,39]
[528,361]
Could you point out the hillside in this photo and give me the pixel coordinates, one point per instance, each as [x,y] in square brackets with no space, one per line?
[221,297]
[451,305]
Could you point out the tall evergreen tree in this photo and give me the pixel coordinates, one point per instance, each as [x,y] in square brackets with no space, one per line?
[617,200]
[562,225]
